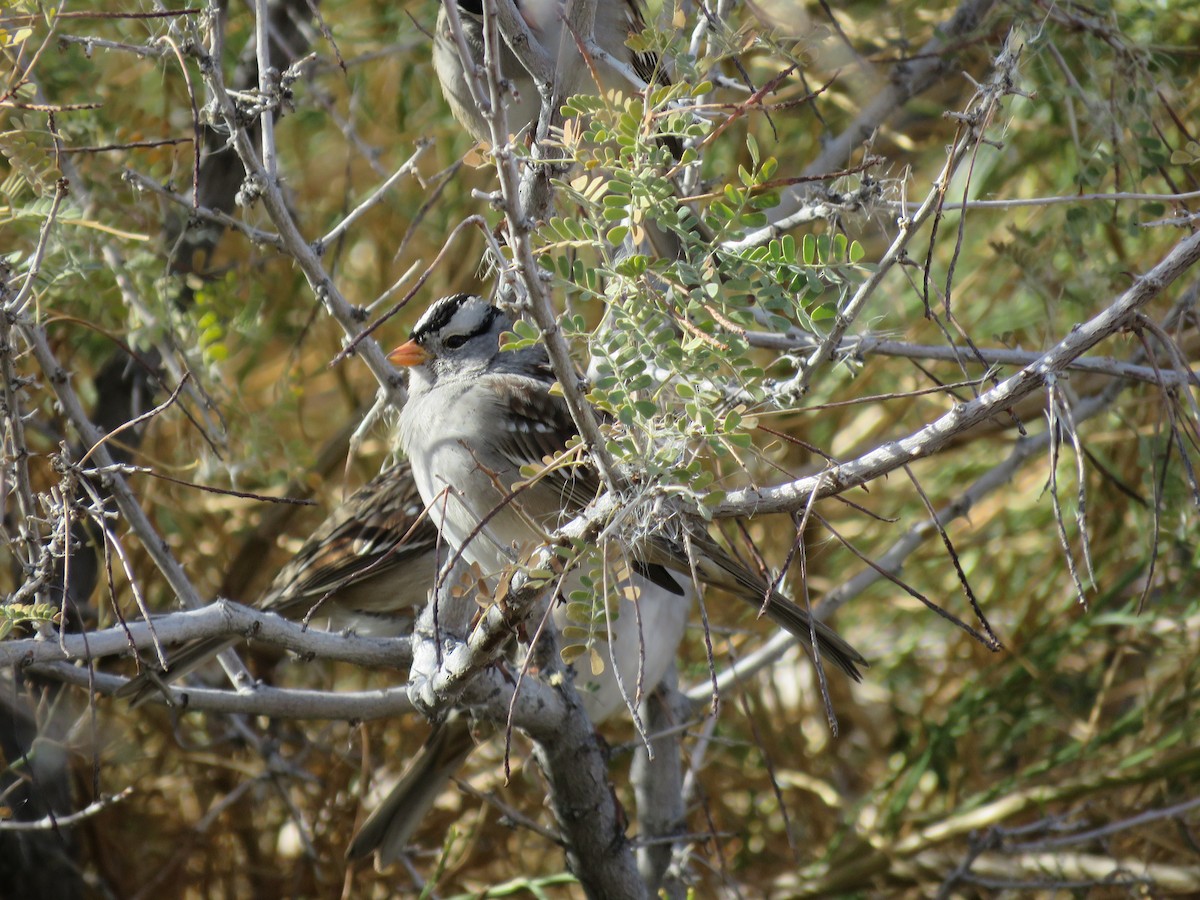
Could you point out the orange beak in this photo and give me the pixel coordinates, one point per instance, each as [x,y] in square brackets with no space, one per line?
[408,354]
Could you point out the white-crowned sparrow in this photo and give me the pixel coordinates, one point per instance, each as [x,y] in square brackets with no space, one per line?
[476,415]
[467,423]
[367,568]
[615,21]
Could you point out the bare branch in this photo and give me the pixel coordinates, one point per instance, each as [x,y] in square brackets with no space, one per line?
[261,184]
[219,619]
[905,209]
[869,344]
[52,823]
[215,216]
[893,559]
[406,168]
[253,700]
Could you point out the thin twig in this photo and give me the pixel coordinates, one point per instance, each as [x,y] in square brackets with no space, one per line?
[54,822]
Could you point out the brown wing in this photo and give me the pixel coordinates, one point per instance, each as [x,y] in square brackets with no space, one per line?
[356,557]
[537,425]
[377,530]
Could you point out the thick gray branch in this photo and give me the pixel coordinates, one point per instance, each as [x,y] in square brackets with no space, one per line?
[219,619]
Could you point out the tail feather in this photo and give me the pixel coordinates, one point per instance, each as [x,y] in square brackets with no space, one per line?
[716,566]
[388,829]
[830,644]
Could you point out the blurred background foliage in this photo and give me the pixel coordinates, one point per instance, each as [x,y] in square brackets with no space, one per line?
[956,770]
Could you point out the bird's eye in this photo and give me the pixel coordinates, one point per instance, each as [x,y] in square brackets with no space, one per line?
[455,341]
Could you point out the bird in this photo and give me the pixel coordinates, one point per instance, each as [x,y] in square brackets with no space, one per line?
[476,421]
[615,21]
[366,568]
[642,641]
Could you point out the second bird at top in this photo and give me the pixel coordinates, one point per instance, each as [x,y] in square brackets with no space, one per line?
[615,21]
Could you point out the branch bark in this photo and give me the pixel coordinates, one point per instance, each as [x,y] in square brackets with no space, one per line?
[222,618]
